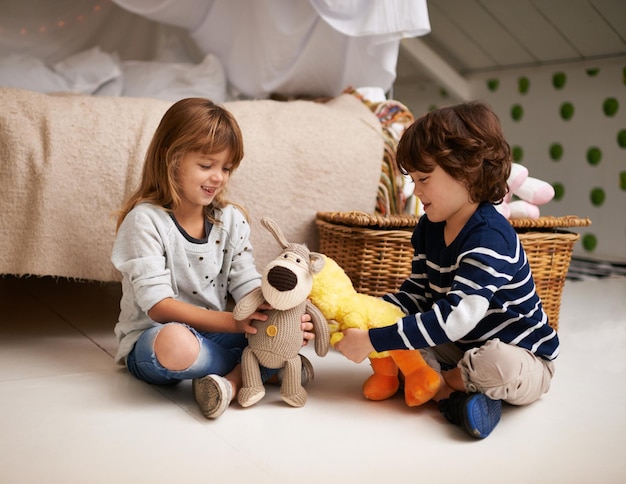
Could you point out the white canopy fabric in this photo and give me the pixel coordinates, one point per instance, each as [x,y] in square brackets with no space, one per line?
[288,47]
[296,47]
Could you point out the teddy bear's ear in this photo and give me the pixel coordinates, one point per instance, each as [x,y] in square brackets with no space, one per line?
[317,262]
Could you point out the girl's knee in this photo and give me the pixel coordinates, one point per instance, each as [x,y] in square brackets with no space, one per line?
[176,347]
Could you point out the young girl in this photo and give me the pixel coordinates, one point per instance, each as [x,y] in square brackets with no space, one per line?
[182,249]
[470,302]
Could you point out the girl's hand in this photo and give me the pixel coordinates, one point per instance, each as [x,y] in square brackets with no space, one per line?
[246,326]
[307,327]
[355,344]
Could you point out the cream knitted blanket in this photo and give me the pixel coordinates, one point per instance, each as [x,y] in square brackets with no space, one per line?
[67,162]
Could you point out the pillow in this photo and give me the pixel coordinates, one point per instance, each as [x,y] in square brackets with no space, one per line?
[170,81]
[28,72]
[90,70]
[112,88]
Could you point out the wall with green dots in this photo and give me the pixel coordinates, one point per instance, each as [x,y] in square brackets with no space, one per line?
[567,125]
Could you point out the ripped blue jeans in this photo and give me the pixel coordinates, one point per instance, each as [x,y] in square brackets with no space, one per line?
[219,354]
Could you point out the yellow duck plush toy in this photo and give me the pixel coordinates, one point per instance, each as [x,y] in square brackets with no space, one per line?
[337,299]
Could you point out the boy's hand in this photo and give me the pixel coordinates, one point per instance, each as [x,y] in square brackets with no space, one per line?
[355,344]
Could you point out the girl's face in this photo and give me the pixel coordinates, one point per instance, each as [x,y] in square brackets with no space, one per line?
[444,198]
[201,177]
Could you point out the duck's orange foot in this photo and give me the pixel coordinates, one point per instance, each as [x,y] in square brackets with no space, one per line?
[384,383]
[421,386]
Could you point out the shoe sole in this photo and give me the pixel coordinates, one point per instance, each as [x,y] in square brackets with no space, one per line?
[208,390]
[481,415]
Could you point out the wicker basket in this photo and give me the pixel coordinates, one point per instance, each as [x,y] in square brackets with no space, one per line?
[376,251]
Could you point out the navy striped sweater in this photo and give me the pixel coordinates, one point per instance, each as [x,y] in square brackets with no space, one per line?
[478,288]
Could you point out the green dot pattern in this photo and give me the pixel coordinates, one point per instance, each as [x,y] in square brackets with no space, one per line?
[610,106]
[558,80]
[597,197]
[523,84]
[517,112]
[593,168]
[556,151]
[559,190]
[492,84]
[594,156]
[567,111]
[589,242]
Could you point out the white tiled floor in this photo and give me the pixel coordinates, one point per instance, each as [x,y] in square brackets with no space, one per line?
[69,415]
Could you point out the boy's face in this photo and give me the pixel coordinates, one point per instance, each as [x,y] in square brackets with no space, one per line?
[444,197]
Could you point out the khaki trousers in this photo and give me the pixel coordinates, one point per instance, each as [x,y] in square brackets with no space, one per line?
[499,370]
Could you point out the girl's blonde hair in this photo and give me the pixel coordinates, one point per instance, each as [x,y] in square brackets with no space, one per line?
[466,140]
[189,125]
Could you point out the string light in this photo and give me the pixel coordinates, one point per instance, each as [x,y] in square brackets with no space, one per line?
[60,24]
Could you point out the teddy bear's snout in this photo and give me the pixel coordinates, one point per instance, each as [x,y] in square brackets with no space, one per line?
[282,279]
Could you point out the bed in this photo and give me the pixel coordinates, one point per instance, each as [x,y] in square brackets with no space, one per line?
[78,109]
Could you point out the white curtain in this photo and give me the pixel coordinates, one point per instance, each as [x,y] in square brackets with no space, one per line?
[288,47]
[296,47]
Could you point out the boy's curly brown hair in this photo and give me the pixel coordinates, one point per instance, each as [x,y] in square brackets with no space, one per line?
[466,140]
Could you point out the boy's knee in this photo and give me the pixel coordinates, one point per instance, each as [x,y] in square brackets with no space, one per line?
[488,366]
[504,372]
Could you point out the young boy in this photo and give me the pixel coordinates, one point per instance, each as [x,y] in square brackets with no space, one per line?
[470,302]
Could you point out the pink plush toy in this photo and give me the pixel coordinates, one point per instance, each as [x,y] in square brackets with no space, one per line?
[525,194]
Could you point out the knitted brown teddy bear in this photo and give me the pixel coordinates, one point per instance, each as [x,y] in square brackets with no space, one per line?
[285,285]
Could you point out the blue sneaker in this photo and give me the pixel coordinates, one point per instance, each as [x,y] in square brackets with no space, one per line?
[475,413]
